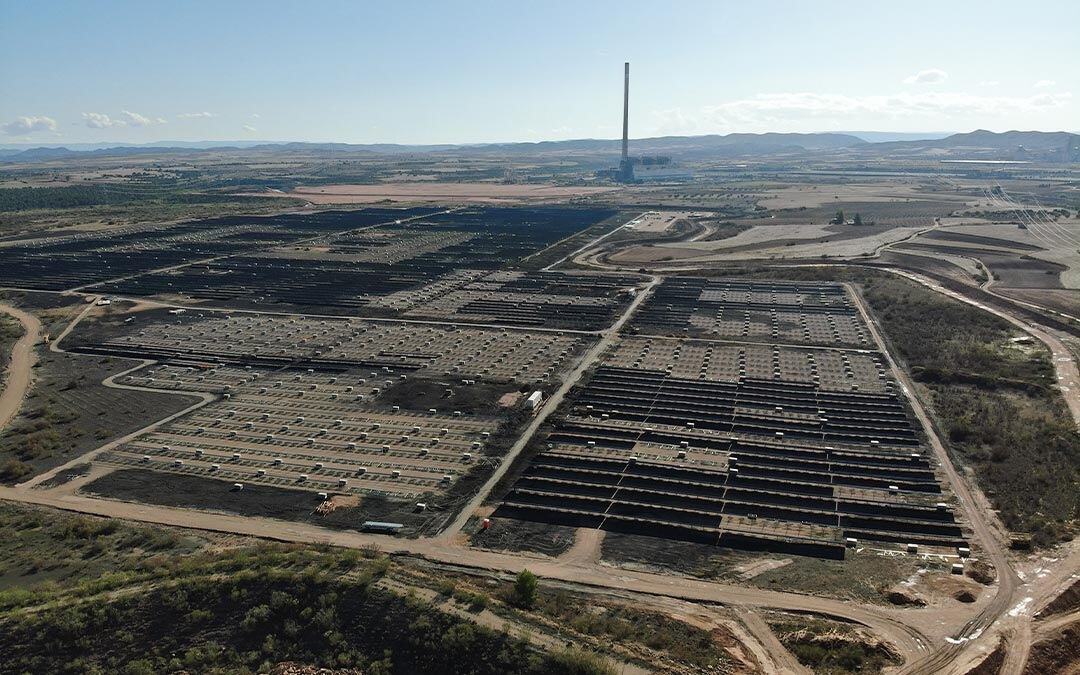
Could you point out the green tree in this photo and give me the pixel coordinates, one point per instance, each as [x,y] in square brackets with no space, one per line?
[525,589]
[858,219]
[839,220]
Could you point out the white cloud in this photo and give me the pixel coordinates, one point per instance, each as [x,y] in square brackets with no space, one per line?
[250,129]
[28,125]
[989,83]
[100,120]
[772,112]
[137,120]
[195,115]
[125,119]
[255,116]
[1043,84]
[930,76]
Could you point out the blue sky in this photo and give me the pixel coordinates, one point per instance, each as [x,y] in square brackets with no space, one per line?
[430,72]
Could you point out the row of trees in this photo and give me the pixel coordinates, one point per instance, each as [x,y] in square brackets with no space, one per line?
[839,219]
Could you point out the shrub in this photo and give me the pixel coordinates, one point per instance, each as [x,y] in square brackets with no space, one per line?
[572,661]
[526,587]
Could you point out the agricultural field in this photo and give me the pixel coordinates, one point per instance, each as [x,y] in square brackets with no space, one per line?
[809,222]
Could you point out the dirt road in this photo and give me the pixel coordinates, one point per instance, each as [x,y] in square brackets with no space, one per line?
[20,368]
[909,641]
[781,660]
[587,245]
[976,517]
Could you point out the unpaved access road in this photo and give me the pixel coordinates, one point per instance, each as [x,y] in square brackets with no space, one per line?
[20,367]
[985,534]
[885,622]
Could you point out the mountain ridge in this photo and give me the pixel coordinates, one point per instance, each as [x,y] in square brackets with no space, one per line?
[1052,146]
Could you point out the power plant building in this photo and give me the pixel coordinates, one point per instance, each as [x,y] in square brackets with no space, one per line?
[640,169]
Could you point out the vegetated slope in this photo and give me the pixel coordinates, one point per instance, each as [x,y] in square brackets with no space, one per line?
[239,610]
[10,332]
[831,646]
[995,401]
[85,594]
[255,617]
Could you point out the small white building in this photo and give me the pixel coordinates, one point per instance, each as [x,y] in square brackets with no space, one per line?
[534,400]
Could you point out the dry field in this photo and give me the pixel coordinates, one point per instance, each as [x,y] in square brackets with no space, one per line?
[1020,258]
[811,196]
[792,222]
[773,242]
[427,192]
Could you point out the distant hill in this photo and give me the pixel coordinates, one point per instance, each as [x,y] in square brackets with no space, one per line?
[689,146]
[1046,146]
[981,144]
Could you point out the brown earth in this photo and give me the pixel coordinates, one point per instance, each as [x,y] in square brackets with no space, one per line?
[1058,653]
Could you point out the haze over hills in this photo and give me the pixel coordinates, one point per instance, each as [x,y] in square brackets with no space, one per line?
[981,144]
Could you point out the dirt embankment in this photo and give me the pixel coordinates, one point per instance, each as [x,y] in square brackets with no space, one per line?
[1066,602]
[1059,653]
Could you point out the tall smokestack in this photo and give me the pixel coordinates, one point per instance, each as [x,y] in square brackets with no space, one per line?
[626,111]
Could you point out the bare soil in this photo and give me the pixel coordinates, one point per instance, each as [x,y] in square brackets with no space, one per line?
[863,576]
[520,535]
[197,492]
[1058,299]
[1066,602]
[421,394]
[1059,653]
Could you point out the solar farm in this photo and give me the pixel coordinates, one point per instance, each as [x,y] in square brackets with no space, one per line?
[387,360]
[781,447]
[405,419]
[336,345]
[807,313]
[312,431]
